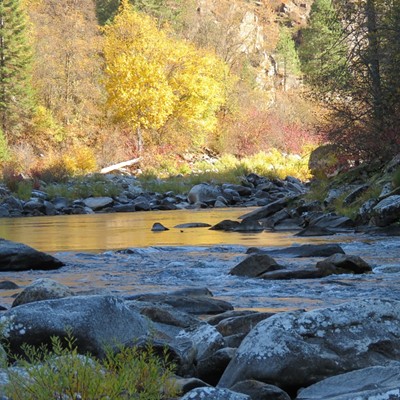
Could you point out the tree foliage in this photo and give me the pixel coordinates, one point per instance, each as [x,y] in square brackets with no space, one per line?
[354,68]
[16,96]
[152,78]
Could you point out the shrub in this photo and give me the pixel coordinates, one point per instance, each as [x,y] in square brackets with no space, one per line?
[62,373]
[4,150]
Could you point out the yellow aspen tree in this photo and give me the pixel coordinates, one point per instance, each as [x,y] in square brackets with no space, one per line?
[153,79]
[137,85]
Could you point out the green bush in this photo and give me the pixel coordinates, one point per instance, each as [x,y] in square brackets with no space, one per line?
[62,373]
[396,178]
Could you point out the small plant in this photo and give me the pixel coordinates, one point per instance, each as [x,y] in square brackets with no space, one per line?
[24,189]
[63,373]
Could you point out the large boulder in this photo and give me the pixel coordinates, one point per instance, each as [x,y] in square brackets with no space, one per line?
[379,382]
[203,193]
[296,349]
[387,211]
[94,321]
[20,257]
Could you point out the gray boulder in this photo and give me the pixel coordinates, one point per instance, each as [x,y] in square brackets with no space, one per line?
[203,193]
[379,382]
[20,257]
[94,321]
[387,211]
[97,203]
[210,393]
[297,349]
[42,289]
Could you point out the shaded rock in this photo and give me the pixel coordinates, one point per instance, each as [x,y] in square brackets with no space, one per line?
[60,203]
[314,230]
[157,227]
[4,212]
[42,289]
[211,368]
[216,319]
[387,211]
[19,257]
[249,226]
[260,391]
[288,224]
[355,194]
[206,339]
[225,225]
[343,264]
[193,225]
[241,324]
[311,346]
[167,315]
[94,321]
[274,219]
[240,189]
[33,205]
[305,250]
[190,304]
[365,211]
[203,193]
[211,393]
[97,203]
[379,382]
[265,211]
[255,265]
[331,221]
[297,273]
[185,385]
[8,285]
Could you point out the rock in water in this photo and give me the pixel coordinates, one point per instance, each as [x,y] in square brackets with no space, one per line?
[20,257]
[157,227]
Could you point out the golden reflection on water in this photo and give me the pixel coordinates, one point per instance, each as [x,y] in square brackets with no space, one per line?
[99,232]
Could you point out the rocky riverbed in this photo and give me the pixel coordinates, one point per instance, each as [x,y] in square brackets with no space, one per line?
[298,322]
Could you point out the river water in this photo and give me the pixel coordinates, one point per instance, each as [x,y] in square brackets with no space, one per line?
[92,248]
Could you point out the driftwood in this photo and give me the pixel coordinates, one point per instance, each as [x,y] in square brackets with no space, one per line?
[123,164]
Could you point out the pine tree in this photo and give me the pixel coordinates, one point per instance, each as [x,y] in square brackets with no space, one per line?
[287,55]
[323,51]
[16,98]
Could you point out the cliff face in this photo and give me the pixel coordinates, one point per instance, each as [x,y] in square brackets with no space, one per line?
[249,30]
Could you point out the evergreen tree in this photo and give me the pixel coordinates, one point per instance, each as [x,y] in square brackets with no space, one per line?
[16,99]
[323,52]
[287,56]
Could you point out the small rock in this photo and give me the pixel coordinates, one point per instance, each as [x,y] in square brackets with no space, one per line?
[158,227]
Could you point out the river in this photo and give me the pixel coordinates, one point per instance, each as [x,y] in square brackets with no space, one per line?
[91,245]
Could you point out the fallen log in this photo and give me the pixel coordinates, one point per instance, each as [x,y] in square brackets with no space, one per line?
[123,164]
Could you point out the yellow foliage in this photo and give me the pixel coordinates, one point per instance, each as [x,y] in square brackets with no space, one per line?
[152,79]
